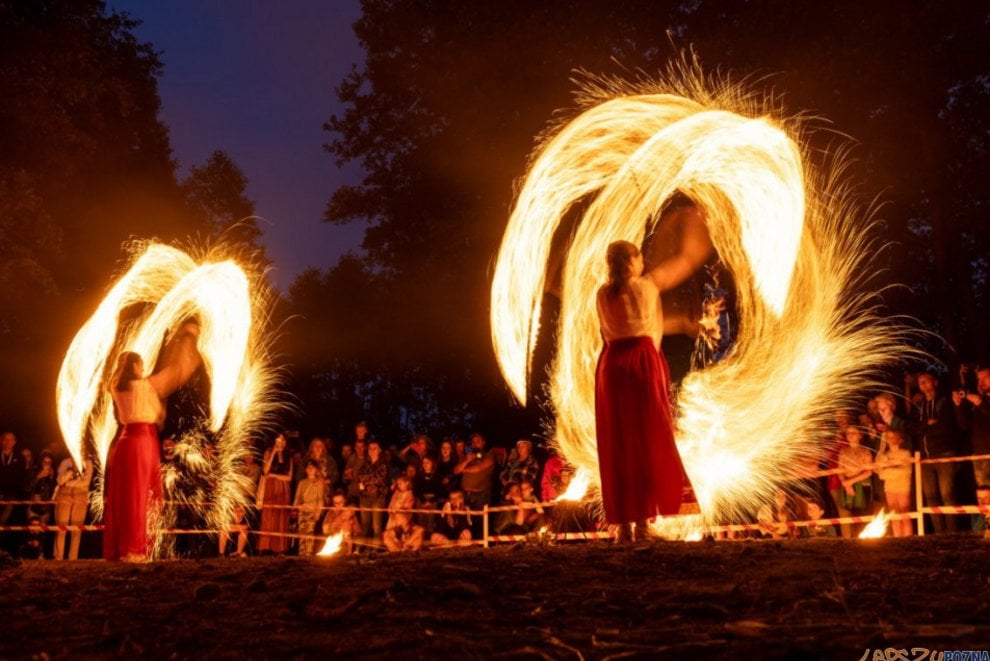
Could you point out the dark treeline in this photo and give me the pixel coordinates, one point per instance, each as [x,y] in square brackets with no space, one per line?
[442,116]
[85,165]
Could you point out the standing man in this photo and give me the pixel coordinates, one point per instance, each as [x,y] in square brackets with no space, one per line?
[12,474]
[477,470]
[936,432]
[975,418]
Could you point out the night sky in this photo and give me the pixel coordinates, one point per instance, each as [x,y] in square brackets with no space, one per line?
[256,79]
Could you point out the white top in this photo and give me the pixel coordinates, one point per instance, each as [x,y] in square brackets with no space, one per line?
[634,312]
[139,404]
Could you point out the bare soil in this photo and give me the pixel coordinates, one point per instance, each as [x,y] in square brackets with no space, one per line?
[817,598]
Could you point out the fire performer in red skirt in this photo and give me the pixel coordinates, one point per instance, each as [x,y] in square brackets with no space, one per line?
[641,471]
[133,485]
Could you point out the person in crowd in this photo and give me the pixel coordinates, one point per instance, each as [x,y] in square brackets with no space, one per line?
[894,468]
[71,503]
[476,471]
[521,466]
[326,465]
[12,475]
[512,522]
[889,420]
[342,519]
[550,483]
[981,521]
[455,523]
[238,527]
[28,457]
[935,425]
[372,480]
[33,546]
[42,488]
[402,534]
[856,495]
[310,498]
[412,470]
[974,408]
[413,453]
[353,466]
[774,519]
[251,470]
[446,462]
[429,491]
[815,513]
[273,496]
[460,450]
[346,450]
[833,482]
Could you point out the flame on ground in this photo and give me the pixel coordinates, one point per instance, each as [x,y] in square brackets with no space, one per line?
[168,286]
[808,341]
[333,545]
[877,527]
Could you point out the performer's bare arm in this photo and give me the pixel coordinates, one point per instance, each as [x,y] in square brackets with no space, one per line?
[694,250]
[181,360]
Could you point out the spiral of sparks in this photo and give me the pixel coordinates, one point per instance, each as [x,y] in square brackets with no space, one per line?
[796,245]
[169,286]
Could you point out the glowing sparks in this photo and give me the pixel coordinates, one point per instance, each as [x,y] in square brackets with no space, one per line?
[333,545]
[166,286]
[578,487]
[790,237]
[877,527]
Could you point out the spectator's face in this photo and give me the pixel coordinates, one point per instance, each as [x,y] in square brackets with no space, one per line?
[27,454]
[871,407]
[310,471]
[514,493]
[46,463]
[360,447]
[427,465]
[9,441]
[477,442]
[360,432]
[983,381]
[815,511]
[926,384]
[420,446]
[446,449]
[893,440]
[374,451]
[402,484]
[318,448]
[279,442]
[457,500]
[853,436]
[338,501]
[983,497]
[345,451]
[527,489]
[460,448]
[410,471]
[524,450]
[885,408]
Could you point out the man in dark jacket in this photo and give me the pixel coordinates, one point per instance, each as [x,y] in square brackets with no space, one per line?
[12,474]
[936,434]
[975,418]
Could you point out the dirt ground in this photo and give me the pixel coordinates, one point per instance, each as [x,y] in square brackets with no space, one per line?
[815,598]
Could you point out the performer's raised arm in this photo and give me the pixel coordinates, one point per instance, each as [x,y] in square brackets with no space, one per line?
[180,361]
[693,249]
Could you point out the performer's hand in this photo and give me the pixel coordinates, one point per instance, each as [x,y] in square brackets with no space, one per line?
[974,399]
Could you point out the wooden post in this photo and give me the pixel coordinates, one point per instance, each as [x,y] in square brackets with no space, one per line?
[919,501]
[484,527]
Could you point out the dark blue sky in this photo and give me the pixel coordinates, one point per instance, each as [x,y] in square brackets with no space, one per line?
[256,79]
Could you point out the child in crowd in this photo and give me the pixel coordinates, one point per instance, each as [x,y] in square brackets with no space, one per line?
[239,527]
[310,496]
[401,534]
[453,527]
[815,513]
[856,493]
[895,471]
[342,520]
[773,519]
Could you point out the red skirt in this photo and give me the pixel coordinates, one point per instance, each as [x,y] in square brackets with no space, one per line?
[641,470]
[275,519]
[132,489]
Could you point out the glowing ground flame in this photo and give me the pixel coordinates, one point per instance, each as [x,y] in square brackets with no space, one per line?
[877,527]
[790,236]
[333,545]
[169,286]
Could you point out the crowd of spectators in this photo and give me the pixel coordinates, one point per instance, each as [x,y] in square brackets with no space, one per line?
[301,493]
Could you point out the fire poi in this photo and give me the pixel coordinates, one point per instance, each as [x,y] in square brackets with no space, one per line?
[166,286]
[795,243]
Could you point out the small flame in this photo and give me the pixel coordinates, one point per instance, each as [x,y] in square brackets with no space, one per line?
[544,530]
[578,487]
[332,545]
[693,536]
[877,527]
